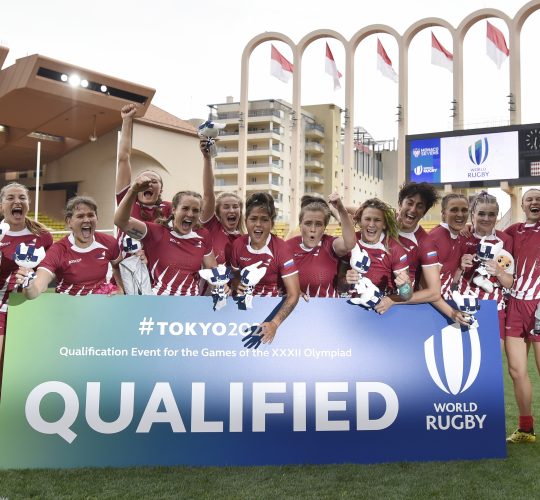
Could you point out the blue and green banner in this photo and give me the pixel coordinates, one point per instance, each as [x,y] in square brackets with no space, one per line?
[121,381]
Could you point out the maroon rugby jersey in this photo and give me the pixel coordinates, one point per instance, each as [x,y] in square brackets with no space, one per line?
[421,252]
[450,249]
[80,271]
[384,262]
[466,286]
[275,255]
[174,260]
[222,240]
[527,260]
[317,267]
[8,268]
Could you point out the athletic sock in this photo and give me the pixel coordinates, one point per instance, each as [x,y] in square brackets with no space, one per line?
[526,423]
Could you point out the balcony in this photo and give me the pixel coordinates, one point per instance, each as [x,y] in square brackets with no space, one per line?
[253,187]
[260,168]
[264,133]
[314,147]
[313,178]
[311,163]
[314,131]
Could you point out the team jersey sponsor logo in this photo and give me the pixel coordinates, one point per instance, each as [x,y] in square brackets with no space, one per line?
[74,261]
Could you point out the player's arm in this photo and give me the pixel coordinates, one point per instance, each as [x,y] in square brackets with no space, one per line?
[123,176]
[38,285]
[504,278]
[430,286]
[122,217]
[209,261]
[345,243]
[292,288]
[450,312]
[209,198]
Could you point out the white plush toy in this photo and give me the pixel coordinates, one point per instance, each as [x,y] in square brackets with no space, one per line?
[28,257]
[250,276]
[484,252]
[209,130]
[218,277]
[369,294]
[469,305]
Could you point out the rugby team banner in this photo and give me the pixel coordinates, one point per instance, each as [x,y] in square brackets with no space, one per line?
[122,381]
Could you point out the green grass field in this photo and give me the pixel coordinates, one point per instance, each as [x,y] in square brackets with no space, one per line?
[517,477]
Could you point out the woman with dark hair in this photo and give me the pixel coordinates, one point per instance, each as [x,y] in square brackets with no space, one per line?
[176,248]
[80,261]
[221,215]
[149,206]
[15,204]
[260,245]
[484,210]
[316,254]
[378,236]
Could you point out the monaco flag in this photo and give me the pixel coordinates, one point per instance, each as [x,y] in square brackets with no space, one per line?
[280,67]
[331,68]
[384,64]
[440,56]
[496,46]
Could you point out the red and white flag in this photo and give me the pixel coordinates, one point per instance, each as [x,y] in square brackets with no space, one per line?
[496,46]
[280,67]
[331,68]
[384,64]
[440,56]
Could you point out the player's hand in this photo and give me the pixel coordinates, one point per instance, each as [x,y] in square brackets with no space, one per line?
[305,296]
[141,183]
[21,275]
[128,111]
[459,317]
[493,268]
[467,261]
[383,306]
[352,277]
[205,150]
[268,331]
[467,231]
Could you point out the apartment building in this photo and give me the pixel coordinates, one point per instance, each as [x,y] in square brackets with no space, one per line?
[270,124]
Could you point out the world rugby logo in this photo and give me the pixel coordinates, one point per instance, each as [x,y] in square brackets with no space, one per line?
[418,170]
[456,381]
[478,152]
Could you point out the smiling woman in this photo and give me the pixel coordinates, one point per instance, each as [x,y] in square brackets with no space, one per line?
[80,261]
[14,206]
[176,247]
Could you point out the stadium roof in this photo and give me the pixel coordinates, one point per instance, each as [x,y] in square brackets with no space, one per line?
[42,100]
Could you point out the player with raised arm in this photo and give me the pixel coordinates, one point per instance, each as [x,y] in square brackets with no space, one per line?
[316,254]
[176,248]
[221,216]
[378,236]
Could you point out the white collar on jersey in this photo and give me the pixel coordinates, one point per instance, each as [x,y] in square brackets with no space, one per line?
[263,250]
[375,246]
[89,248]
[22,232]
[306,249]
[190,235]
[447,227]
[412,235]
[492,236]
